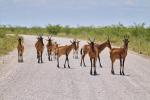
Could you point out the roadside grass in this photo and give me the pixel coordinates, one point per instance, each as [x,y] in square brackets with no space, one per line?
[7,44]
[137,44]
[139,35]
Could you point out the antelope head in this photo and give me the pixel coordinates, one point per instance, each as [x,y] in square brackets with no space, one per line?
[73,43]
[108,42]
[125,40]
[91,43]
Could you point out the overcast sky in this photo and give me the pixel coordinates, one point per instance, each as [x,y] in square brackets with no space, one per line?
[73,12]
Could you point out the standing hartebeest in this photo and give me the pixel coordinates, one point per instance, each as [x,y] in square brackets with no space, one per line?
[75,51]
[20,48]
[39,45]
[119,53]
[65,50]
[100,47]
[49,48]
[93,54]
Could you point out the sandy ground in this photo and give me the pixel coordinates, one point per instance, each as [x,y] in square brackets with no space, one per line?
[33,81]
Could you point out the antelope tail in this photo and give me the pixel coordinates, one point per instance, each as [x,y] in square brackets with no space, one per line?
[81,51]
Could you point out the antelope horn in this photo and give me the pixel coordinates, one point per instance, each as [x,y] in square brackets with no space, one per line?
[75,40]
[128,36]
[50,36]
[108,37]
[90,40]
[124,37]
[40,35]
[94,39]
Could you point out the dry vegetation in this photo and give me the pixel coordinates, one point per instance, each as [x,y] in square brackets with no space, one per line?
[139,35]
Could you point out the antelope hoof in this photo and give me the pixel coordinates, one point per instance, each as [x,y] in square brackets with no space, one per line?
[112,72]
[120,73]
[101,66]
[95,73]
[58,66]
[91,72]
[64,66]
[68,66]
[80,64]
[123,73]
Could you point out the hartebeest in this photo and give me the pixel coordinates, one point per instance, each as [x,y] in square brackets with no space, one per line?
[93,54]
[49,48]
[119,53]
[20,48]
[100,48]
[83,52]
[39,45]
[75,51]
[65,50]
[54,48]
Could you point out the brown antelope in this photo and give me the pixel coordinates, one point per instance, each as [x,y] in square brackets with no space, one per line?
[119,53]
[65,50]
[49,48]
[54,48]
[39,45]
[20,48]
[83,52]
[93,54]
[100,47]
[75,51]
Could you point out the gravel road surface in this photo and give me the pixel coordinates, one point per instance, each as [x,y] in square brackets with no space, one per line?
[33,81]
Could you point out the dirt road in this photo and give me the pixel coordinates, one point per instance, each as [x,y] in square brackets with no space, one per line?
[33,81]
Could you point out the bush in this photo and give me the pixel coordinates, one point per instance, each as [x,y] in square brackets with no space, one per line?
[53,29]
[2,35]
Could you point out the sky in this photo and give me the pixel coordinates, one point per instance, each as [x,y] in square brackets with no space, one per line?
[74,12]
